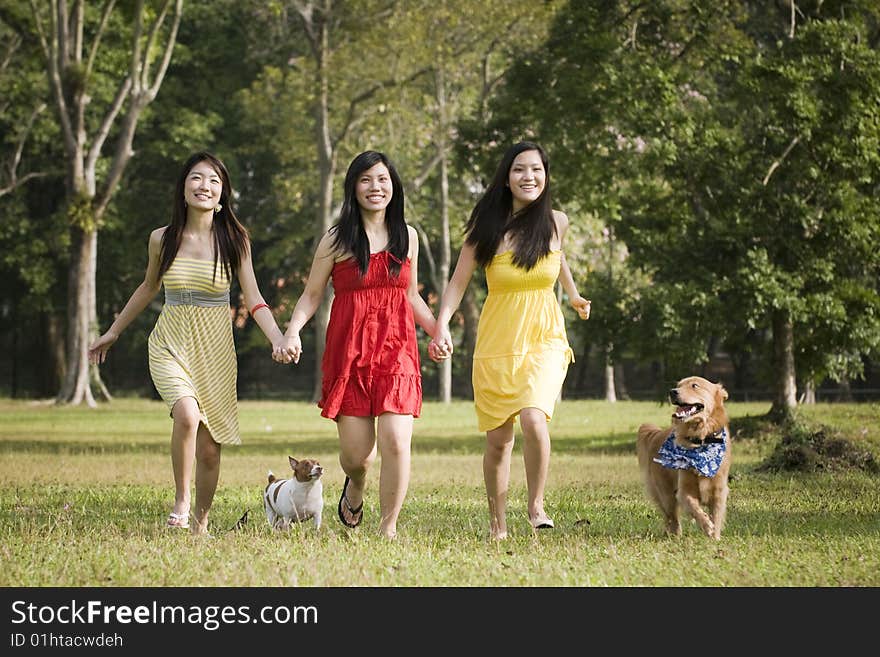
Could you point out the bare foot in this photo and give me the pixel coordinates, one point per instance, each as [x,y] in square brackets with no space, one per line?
[497,528]
[199,528]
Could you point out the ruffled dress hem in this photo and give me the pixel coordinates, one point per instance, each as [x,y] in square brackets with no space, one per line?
[371,396]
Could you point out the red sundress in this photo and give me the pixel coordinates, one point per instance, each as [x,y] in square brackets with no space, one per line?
[371,359]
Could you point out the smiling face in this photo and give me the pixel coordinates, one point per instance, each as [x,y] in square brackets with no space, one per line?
[374,188]
[202,187]
[526,178]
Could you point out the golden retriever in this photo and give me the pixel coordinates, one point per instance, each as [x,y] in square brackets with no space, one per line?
[695,456]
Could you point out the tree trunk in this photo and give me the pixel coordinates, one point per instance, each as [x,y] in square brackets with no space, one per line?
[470,313]
[327,170]
[13,375]
[610,395]
[583,367]
[445,383]
[620,381]
[844,390]
[809,394]
[785,393]
[54,372]
[69,73]
[80,317]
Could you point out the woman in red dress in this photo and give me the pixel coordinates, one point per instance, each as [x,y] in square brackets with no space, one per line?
[372,384]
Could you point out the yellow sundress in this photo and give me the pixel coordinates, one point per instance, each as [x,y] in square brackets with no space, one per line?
[192,353]
[522,352]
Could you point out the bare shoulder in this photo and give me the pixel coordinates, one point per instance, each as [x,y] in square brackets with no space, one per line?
[327,245]
[155,244]
[561,219]
[327,239]
[413,250]
[158,234]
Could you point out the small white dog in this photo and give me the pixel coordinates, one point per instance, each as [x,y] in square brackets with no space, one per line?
[297,499]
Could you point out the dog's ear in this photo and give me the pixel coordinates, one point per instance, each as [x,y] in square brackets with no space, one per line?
[293,462]
[721,391]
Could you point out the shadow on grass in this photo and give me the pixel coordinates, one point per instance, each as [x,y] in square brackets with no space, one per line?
[614,515]
[611,444]
[74,447]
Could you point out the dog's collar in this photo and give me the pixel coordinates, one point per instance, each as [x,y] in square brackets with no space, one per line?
[717,437]
[705,459]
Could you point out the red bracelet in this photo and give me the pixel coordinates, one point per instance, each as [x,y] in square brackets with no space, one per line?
[257,307]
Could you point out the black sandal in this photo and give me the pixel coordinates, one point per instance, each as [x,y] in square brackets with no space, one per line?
[357,513]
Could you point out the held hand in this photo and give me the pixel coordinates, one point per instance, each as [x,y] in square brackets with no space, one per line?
[440,348]
[582,306]
[99,348]
[436,353]
[291,349]
[278,354]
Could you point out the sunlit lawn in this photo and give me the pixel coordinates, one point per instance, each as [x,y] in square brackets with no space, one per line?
[92,489]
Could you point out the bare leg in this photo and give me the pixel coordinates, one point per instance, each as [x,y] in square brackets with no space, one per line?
[357,451]
[207,476]
[394,439]
[536,455]
[496,473]
[186,417]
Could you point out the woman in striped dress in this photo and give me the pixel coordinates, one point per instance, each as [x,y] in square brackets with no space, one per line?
[192,355]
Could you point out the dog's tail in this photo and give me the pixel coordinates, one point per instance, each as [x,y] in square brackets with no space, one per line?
[272,477]
[645,432]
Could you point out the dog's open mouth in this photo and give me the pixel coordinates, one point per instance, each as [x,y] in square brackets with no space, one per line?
[684,411]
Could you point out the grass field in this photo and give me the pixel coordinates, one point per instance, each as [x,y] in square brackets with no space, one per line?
[92,488]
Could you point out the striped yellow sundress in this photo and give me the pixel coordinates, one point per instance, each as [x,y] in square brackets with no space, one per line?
[191,349]
[522,352]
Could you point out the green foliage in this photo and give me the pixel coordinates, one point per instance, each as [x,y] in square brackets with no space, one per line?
[738,163]
[668,125]
[81,214]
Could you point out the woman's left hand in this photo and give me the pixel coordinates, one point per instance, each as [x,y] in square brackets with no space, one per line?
[436,352]
[279,353]
[582,306]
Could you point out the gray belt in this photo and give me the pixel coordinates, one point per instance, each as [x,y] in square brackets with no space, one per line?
[196,298]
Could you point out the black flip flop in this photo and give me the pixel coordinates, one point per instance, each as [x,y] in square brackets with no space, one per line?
[353,512]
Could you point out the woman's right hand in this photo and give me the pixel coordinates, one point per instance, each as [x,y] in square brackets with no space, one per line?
[291,349]
[440,348]
[99,348]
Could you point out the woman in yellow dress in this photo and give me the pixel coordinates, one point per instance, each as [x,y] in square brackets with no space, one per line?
[522,354]
[192,355]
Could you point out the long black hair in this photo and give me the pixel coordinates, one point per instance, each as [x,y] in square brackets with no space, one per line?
[531,228]
[349,233]
[230,236]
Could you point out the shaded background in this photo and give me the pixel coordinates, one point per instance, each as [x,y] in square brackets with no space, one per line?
[719,163]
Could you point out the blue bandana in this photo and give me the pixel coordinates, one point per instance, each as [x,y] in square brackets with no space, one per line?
[705,459]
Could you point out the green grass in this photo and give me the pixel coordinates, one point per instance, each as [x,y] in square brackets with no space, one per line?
[91,489]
